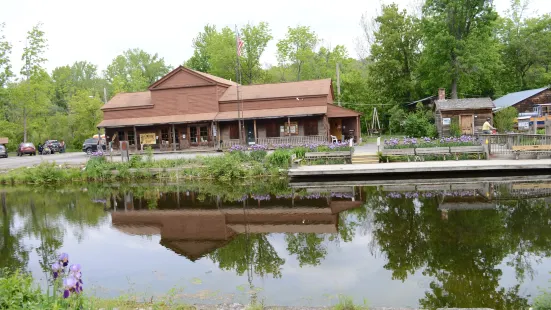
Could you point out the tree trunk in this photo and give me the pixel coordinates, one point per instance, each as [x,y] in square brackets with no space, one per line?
[455,75]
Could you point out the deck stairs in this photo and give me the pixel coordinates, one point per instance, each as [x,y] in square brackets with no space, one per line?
[365,158]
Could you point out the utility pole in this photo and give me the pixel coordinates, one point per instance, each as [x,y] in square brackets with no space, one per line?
[28,92]
[104,95]
[338,85]
[237,81]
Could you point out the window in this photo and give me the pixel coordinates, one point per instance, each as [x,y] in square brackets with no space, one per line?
[193,134]
[204,133]
[131,139]
[120,134]
[291,130]
[272,130]
[164,134]
[311,127]
[234,131]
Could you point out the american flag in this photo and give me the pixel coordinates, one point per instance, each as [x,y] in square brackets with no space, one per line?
[239,45]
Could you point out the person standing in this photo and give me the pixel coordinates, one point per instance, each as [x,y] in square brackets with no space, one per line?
[487,127]
[62,146]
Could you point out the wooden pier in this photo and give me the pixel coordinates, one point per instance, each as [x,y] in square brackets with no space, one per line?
[449,168]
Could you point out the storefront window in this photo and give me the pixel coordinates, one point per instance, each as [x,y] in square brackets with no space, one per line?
[193,134]
[120,135]
[204,134]
[164,134]
[131,140]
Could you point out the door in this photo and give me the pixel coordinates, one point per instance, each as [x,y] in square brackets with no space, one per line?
[466,124]
[336,128]
[249,129]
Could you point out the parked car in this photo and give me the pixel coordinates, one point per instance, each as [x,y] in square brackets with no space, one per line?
[91,145]
[53,145]
[3,151]
[26,148]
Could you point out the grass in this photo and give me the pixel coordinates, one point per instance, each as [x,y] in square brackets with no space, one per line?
[347,303]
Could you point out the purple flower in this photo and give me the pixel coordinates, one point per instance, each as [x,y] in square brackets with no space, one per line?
[56,268]
[69,285]
[64,259]
[75,268]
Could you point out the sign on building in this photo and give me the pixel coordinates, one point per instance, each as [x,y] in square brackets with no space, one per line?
[446,121]
[148,138]
[523,125]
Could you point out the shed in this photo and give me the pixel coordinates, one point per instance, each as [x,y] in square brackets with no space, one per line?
[525,101]
[469,113]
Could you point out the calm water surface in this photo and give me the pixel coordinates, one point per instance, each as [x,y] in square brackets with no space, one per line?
[431,245]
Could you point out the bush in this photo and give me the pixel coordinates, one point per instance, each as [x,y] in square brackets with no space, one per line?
[17,292]
[280,158]
[135,161]
[455,129]
[225,168]
[504,119]
[258,155]
[44,173]
[417,125]
[300,151]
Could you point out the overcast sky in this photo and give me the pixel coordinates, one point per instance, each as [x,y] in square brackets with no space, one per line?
[98,31]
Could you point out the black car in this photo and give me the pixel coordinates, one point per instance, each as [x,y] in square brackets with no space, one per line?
[91,145]
[53,145]
[3,151]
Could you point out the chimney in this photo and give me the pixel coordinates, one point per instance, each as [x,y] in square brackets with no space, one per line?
[441,94]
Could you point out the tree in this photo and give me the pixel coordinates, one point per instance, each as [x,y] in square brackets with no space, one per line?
[84,115]
[525,49]
[255,39]
[5,66]
[458,41]
[297,48]
[200,60]
[505,119]
[395,54]
[135,70]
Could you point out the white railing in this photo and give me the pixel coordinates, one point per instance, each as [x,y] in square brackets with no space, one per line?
[293,140]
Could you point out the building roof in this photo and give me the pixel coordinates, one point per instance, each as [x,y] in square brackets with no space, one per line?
[214,78]
[336,111]
[129,100]
[272,113]
[514,98]
[279,90]
[464,104]
[152,120]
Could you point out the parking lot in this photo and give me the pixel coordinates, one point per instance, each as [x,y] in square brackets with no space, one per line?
[77,159]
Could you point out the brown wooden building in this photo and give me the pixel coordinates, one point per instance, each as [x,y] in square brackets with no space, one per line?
[525,101]
[469,113]
[187,108]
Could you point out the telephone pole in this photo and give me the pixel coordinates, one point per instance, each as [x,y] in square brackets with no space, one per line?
[338,85]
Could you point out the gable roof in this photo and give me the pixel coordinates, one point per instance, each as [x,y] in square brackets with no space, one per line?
[336,111]
[464,104]
[279,90]
[129,100]
[514,98]
[205,76]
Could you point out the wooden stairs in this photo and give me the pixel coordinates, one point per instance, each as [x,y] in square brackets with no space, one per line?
[365,158]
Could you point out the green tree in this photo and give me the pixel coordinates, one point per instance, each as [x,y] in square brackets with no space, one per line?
[5,65]
[255,39]
[135,70]
[84,115]
[200,60]
[505,119]
[459,44]
[395,54]
[308,248]
[296,49]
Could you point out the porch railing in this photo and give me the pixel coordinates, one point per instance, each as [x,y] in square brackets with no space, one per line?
[226,144]
[502,144]
[293,140]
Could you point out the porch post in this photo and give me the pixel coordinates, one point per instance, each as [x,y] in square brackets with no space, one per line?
[358,130]
[136,139]
[254,122]
[327,127]
[173,138]
[218,133]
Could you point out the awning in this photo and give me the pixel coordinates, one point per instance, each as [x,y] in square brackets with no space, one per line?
[155,120]
[336,111]
[273,113]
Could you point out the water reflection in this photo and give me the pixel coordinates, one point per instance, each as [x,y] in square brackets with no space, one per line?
[465,239]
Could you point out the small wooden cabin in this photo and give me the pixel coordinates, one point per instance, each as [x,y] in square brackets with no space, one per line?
[469,113]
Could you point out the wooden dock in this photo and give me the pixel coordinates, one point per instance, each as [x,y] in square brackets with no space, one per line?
[449,168]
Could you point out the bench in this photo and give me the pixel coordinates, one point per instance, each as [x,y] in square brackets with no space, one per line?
[532,149]
[398,152]
[346,155]
[294,161]
[467,150]
[420,152]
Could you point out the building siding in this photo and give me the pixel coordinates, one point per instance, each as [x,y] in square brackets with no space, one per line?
[528,104]
[273,104]
[182,79]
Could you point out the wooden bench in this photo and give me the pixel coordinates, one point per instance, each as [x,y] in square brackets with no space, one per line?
[346,155]
[467,150]
[398,152]
[531,149]
[294,161]
[420,152]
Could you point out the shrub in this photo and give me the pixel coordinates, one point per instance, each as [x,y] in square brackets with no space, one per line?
[280,158]
[504,119]
[258,155]
[455,129]
[300,151]
[44,173]
[17,291]
[225,168]
[135,161]
[417,125]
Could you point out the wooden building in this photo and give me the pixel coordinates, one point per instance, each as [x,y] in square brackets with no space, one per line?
[525,101]
[469,113]
[187,108]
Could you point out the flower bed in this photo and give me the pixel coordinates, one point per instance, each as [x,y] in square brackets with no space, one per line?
[310,147]
[406,143]
[410,195]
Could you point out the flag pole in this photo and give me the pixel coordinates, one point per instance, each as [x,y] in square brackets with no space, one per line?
[237,80]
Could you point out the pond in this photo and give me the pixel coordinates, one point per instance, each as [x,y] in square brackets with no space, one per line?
[432,244]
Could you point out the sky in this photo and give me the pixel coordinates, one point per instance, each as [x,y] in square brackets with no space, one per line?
[98,31]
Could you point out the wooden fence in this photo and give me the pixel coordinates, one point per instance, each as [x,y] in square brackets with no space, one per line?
[293,140]
[502,144]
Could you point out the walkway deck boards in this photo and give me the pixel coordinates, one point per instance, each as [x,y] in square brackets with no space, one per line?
[426,167]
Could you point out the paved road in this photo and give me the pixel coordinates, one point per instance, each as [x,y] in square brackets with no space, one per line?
[77,159]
